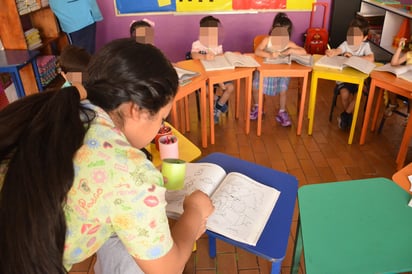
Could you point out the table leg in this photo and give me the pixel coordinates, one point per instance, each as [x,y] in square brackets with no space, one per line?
[297,251]
[173,115]
[403,149]
[276,267]
[212,246]
[302,104]
[378,104]
[248,91]
[367,112]
[312,101]
[260,105]
[203,115]
[18,83]
[187,117]
[237,99]
[355,112]
[211,114]
[37,74]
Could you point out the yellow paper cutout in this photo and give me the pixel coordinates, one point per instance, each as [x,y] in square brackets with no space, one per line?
[216,5]
[163,3]
[299,4]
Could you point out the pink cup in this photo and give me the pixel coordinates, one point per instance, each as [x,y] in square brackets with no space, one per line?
[168,147]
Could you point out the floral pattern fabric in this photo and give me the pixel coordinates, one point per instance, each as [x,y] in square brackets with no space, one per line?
[116,190]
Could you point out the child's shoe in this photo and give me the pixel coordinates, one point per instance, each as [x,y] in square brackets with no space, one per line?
[283,119]
[390,108]
[221,108]
[216,115]
[254,112]
[345,120]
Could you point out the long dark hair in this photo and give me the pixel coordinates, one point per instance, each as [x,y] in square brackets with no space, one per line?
[39,136]
[282,20]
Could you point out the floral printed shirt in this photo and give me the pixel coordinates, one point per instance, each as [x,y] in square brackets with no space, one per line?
[116,190]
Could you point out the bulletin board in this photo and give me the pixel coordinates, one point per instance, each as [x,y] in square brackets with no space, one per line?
[156,6]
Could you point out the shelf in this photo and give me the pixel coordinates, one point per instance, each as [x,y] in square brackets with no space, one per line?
[394,16]
[389,6]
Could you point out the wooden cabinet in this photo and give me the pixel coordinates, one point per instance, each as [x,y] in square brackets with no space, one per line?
[12,28]
[393,16]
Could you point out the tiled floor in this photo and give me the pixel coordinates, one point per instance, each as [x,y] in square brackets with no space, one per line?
[323,157]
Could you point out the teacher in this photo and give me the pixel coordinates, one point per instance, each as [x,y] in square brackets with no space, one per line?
[78,20]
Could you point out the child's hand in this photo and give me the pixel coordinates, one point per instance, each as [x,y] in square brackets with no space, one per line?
[347,54]
[274,55]
[199,202]
[209,56]
[402,43]
[331,52]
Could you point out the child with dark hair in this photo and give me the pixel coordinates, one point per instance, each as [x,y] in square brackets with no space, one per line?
[206,48]
[276,44]
[74,182]
[142,31]
[73,62]
[356,44]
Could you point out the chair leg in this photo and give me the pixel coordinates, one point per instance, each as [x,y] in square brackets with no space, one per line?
[334,99]
[198,103]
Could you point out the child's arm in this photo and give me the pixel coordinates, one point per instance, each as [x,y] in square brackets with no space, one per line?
[369,57]
[260,50]
[202,55]
[333,52]
[294,49]
[399,58]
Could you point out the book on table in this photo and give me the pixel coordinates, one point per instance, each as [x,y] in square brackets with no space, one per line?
[229,60]
[401,71]
[185,76]
[242,205]
[340,62]
[305,60]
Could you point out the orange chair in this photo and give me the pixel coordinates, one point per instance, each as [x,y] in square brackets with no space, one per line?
[257,40]
[401,177]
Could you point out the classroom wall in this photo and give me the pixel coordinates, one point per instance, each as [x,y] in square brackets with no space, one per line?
[174,34]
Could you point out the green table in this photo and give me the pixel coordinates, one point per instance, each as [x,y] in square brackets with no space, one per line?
[354,227]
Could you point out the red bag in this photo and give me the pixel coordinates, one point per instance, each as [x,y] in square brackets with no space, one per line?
[317,39]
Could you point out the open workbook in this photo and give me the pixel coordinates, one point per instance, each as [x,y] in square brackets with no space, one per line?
[185,75]
[229,60]
[402,71]
[242,205]
[340,62]
[305,60]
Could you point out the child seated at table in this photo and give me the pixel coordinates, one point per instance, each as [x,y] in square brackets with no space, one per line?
[72,63]
[400,57]
[355,45]
[206,48]
[142,31]
[276,44]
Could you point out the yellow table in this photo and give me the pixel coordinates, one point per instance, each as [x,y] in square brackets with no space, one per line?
[187,150]
[348,75]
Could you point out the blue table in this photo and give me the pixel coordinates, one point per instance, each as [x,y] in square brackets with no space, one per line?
[11,61]
[273,242]
[360,226]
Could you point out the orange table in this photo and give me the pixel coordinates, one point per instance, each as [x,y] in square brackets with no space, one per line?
[388,81]
[196,83]
[282,70]
[219,76]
